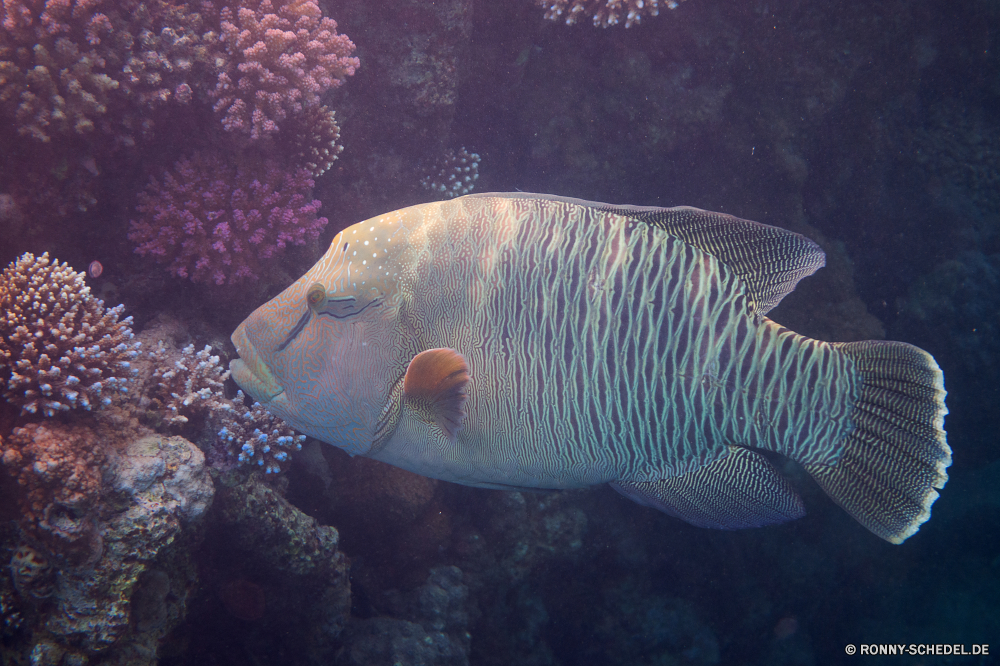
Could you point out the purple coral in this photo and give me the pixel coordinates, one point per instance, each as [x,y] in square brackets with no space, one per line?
[282,58]
[212,222]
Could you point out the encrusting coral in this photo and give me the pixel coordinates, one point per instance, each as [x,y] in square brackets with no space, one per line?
[101,504]
[58,471]
[63,348]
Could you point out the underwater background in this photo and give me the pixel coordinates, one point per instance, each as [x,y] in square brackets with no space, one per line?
[135,535]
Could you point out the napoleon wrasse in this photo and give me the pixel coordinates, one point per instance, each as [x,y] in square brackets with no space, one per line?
[530,341]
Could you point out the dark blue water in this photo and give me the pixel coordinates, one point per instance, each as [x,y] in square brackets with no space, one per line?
[872,127]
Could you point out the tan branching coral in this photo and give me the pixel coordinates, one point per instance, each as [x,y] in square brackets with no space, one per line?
[67,67]
[604,13]
[52,78]
[172,56]
[63,348]
[185,383]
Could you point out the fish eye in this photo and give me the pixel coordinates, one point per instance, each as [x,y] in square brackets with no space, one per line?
[316,296]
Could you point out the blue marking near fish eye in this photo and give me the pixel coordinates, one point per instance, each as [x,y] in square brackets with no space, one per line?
[294,333]
[375,302]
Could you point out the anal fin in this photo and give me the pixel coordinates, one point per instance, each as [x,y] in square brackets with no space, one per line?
[739,490]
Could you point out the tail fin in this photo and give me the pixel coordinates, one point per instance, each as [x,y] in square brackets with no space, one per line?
[895,457]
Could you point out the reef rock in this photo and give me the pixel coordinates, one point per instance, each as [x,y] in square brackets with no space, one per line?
[294,560]
[436,633]
[155,490]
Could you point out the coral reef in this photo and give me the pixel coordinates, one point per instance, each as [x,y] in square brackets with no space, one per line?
[63,348]
[181,384]
[435,630]
[66,66]
[281,59]
[58,471]
[73,67]
[642,627]
[181,390]
[403,114]
[32,573]
[313,140]
[212,222]
[454,175]
[87,86]
[288,551]
[174,57]
[604,13]
[263,439]
[53,78]
[153,491]
[870,121]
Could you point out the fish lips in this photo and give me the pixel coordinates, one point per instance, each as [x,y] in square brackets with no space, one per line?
[251,372]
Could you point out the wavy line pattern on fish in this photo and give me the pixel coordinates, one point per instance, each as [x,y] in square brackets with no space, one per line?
[564,343]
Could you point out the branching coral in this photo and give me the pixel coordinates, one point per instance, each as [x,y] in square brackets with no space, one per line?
[454,175]
[65,65]
[604,13]
[177,387]
[264,439]
[94,79]
[313,141]
[63,348]
[52,78]
[172,55]
[185,384]
[282,58]
[212,222]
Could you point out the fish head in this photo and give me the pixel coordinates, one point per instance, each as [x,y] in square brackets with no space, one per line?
[317,355]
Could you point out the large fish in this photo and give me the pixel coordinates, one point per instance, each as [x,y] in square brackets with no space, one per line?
[530,341]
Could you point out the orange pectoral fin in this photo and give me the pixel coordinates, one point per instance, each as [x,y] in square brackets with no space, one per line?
[435,384]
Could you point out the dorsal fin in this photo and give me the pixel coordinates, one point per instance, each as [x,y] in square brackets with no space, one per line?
[769,260]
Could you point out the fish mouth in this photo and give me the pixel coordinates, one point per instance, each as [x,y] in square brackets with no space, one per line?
[250,371]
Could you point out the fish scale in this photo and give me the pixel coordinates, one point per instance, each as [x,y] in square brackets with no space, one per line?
[576,343]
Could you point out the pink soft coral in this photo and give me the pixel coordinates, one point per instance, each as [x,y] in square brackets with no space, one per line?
[281,60]
[212,222]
